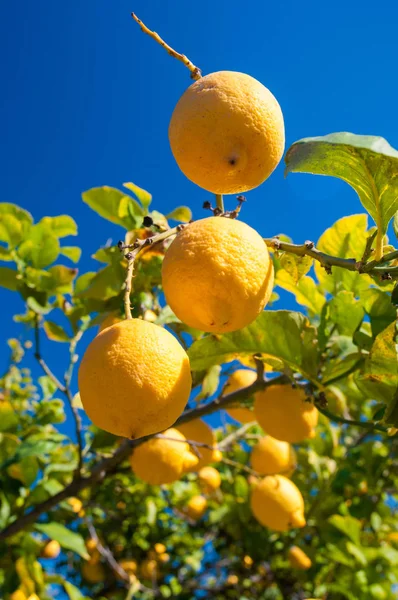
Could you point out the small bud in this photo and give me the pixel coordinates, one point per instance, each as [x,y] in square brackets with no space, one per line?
[120,245]
[129,255]
[217,212]
[386,277]
[309,245]
[241,199]
[207,205]
[148,221]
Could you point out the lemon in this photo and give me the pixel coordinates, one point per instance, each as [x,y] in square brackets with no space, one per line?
[277,503]
[240,379]
[217,275]
[209,479]
[247,561]
[149,569]
[227,132]
[164,558]
[232,580]
[196,507]
[284,412]
[18,595]
[160,548]
[129,566]
[298,559]
[75,504]
[159,460]
[134,379]
[51,550]
[93,572]
[199,431]
[270,457]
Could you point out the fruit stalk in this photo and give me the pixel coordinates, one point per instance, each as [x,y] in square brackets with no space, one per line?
[195,71]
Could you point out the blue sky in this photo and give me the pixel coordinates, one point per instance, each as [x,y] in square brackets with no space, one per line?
[87,98]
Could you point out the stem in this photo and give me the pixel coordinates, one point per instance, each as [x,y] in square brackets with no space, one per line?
[195,71]
[128,286]
[379,246]
[369,425]
[220,202]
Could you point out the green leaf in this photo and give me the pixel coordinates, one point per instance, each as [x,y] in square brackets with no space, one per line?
[73,592]
[25,471]
[181,213]
[285,335]
[357,554]
[395,224]
[5,255]
[306,291]
[296,266]
[210,383]
[55,332]
[151,511]
[102,285]
[9,279]
[40,248]
[5,510]
[241,487]
[367,163]
[345,312]
[72,252]
[379,379]
[377,305]
[8,416]
[66,538]
[341,367]
[62,226]
[144,197]
[15,224]
[345,239]
[113,205]
[349,526]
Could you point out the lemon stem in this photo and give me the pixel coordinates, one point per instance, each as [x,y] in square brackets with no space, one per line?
[379,246]
[220,202]
[195,71]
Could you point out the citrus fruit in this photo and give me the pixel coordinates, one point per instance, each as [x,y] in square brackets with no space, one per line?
[209,479]
[134,379]
[129,566]
[51,550]
[270,457]
[160,460]
[217,275]
[285,413]
[160,548]
[196,507]
[18,595]
[199,431]
[93,572]
[298,558]
[240,379]
[227,132]
[75,504]
[277,503]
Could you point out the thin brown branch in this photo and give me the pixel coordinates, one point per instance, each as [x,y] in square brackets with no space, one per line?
[328,261]
[41,361]
[195,71]
[106,553]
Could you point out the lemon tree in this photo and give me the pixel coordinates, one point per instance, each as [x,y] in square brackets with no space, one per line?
[199,440]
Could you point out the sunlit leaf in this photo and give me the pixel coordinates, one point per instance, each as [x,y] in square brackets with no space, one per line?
[68,539]
[181,213]
[349,526]
[40,248]
[15,223]
[305,291]
[345,312]
[210,383]
[71,252]
[55,332]
[113,205]
[9,279]
[144,197]
[296,266]
[62,226]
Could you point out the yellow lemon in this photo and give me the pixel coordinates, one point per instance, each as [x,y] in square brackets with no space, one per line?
[160,548]
[110,320]
[160,460]
[93,572]
[149,569]
[247,561]
[270,457]
[196,507]
[51,550]
[164,558]
[209,479]
[217,275]
[283,412]
[232,580]
[76,504]
[298,558]
[129,566]
[240,379]
[33,597]
[199,431]
[227,132]
[277,503]
[18,595]
[134,379]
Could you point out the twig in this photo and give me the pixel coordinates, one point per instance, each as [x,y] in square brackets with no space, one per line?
[106,553]
[328,261]
[220,202]
[42,362]
[369,425]
[136,248]
[195,71]
[235,435]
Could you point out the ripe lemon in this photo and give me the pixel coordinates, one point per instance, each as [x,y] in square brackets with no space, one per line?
[240,379]
[164,558]
[160,460]
[232,580]
[76,504]
[247,561]
[227,132]
[93,572]
[129,566]
[298,558]
[277,503]
[196,507]
[51,550]
[18,595]
[134,379]
[284,413]
[217,275]
[270,457]
[209,479]
[149,569]
[199,431]
[160,548]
